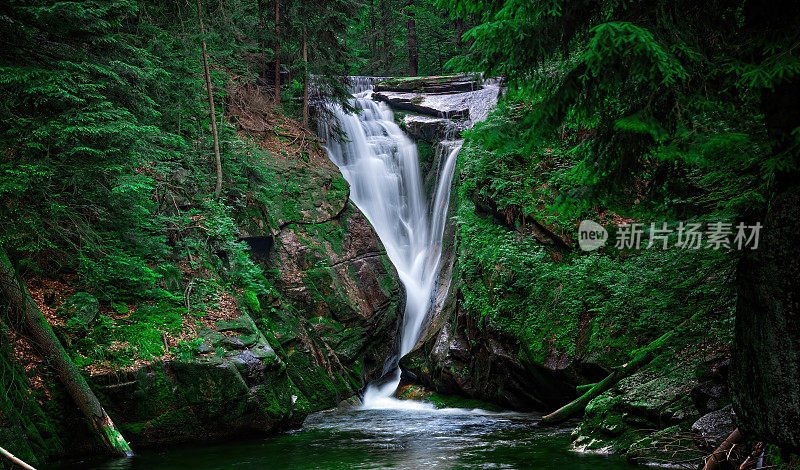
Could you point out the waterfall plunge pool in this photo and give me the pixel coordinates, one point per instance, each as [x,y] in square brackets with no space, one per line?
[384,439]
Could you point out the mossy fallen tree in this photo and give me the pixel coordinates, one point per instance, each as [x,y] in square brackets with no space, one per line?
[643,357]
[25,315]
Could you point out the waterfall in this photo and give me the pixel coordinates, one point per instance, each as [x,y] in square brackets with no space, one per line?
[381,164]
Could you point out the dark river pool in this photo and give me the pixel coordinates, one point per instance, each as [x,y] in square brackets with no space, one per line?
[376,439]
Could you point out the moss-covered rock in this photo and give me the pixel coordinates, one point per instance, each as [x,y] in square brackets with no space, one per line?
[649,415]
[419,393]
[332,308]
[82,307]
[208,397]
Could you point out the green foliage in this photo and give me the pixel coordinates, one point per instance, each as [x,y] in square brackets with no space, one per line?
[106,146]
[122,341]
[589,305]
[618,111]
[635,85]
[78,135]
[379,38]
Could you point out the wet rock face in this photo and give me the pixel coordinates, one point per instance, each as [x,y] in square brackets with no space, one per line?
[473,362]
[333,314]
[431,129]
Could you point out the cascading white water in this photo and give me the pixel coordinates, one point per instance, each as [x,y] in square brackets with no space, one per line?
[382,166]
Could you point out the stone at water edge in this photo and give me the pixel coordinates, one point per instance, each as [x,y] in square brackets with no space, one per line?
[713,428]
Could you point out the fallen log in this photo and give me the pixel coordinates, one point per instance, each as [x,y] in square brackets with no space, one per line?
[27,316]
[643,357]
[722,454]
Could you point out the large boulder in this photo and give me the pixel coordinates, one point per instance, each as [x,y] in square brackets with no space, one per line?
[446,106]
[332,316]
[431,129]
[337,275]
[238,385]
[470,106]
[713,428]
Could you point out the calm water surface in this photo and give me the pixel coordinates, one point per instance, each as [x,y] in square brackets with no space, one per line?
[376,439]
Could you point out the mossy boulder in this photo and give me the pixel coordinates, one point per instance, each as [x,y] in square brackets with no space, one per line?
[649,415]
[83,307]
[200,400]
[419,393]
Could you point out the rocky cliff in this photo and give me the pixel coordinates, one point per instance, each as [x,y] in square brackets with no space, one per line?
[529,319]
[219,361]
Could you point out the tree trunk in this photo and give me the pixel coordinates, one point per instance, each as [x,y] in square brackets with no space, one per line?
[207,73]
[261,40]
[413,60]
[385,38]
[765,359]
[28,316]
[578,405]
[277,53]
[373,30]
[15,460]
[720,455]
[305,79]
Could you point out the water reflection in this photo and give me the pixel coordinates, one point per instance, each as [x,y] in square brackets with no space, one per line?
[383,439]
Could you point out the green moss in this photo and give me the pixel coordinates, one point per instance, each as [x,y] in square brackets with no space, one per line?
[416,392]
[449,401]
[250,300]
[25,429]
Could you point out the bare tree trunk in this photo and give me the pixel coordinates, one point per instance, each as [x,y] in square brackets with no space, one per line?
[413,60]
[385,39]
[645,355]
[261,41]
[15,460]
[277,52]
[28,316]
[305,79]
[720,455]
[373,30]
[207,73]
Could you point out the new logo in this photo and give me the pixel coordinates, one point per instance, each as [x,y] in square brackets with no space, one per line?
[591,235]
